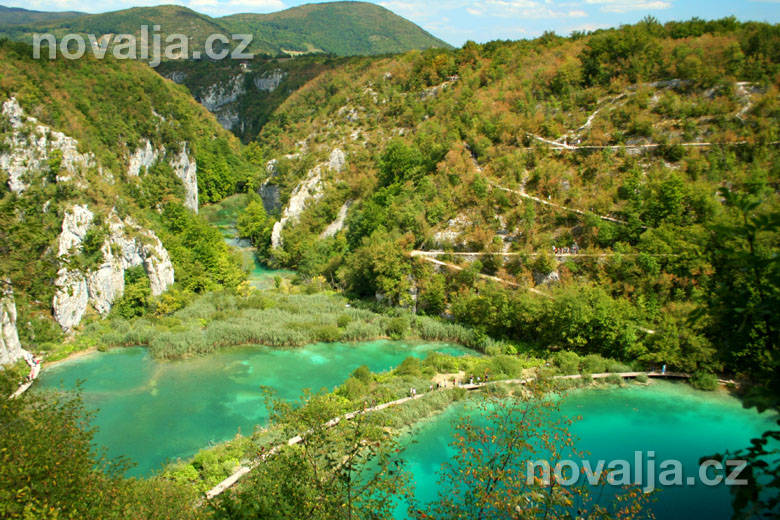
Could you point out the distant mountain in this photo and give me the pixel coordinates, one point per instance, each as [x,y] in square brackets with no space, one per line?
[17,16]
[340,28]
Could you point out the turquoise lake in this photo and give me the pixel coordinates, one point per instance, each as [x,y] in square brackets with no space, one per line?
[153,411]
[674,420]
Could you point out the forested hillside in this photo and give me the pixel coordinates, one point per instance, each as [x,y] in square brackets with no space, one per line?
[616,184]
[19,16]
[339,28]
[103,167]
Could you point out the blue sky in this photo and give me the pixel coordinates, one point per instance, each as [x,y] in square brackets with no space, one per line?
[456,21]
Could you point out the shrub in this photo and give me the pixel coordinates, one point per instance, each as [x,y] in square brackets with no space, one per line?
[614,366]
[594,364]
[614,379]
[397,327]
[362,373]
[343,320]
[567,362]
[641,378]
[410,366]
[704,381]
[327,334]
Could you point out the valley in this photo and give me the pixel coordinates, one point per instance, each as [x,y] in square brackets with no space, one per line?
[216,258]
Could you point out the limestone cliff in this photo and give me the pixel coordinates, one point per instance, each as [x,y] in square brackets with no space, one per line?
[126,245]
[310,189]
[185,167]
[225,97]
[10,347]
[29,148]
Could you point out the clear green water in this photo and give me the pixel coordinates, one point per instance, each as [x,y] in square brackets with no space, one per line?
[152,411]
[674,420]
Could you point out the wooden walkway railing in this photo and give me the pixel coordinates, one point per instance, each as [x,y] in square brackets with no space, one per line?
[244,470]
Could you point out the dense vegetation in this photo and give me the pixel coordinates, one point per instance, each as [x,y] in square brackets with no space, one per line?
[673,208]
[82,98]
[50,469]
[340,28]
[19,16]
[445,151]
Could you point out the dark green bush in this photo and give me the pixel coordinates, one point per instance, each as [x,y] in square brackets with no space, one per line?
[704,381]
[396,327]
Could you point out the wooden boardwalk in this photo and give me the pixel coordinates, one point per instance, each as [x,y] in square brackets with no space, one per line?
[244,470]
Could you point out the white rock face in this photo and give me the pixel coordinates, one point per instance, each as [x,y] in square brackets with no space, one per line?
[185,168]
[127,245]
[269,81]
[10,346]
[309,189]
[178,76]
[74,227]
[546,279]
[454,230]
[338,160]
[338,224]
[220,94]
[30,145]
[141,159]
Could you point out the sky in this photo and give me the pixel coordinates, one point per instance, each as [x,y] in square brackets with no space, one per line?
[457,21]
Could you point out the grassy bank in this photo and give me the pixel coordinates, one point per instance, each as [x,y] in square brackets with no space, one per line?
[221,319]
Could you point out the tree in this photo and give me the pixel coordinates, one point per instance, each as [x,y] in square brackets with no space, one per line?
[349,470]
[744,290]
[742,312]
[378,267]
[400,162]
[49,468]
[496,471]
[253,223]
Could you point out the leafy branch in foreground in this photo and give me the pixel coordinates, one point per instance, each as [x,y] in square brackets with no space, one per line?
[343,471]
[488,478]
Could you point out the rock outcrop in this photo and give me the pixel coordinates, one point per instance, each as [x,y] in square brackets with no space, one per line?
[269,191]
[29,150]
[338,224]
[220,94]
[185,168]
[140,160]
[127,245]
[308,190]
[10,346]
[269,81]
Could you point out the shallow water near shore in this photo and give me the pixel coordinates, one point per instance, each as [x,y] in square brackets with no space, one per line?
[153,411]
[671,419]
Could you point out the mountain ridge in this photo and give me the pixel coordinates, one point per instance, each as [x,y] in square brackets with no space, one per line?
[339,28]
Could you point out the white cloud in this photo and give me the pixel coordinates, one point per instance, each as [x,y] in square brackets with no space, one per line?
[624,6]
